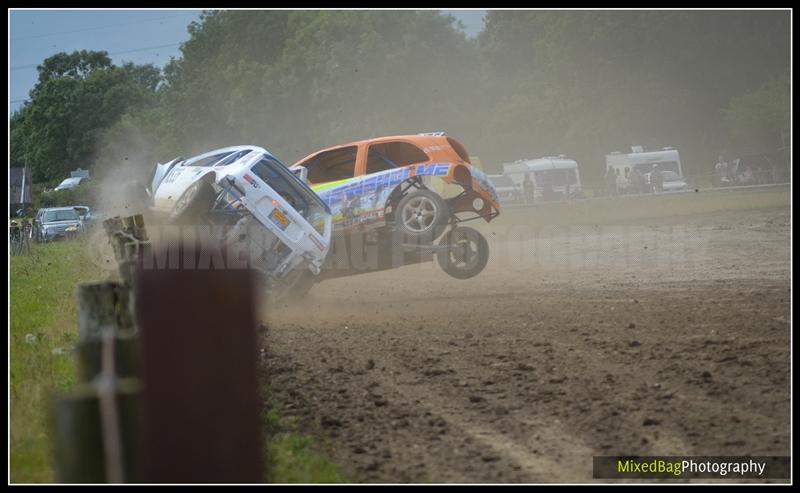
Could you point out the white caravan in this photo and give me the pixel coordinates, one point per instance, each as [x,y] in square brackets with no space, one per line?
[554,177]
[666,159]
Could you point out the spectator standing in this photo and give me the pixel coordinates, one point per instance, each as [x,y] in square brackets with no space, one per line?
[637,180]
[527,189]
[656,180]
[720,172]
[611,182]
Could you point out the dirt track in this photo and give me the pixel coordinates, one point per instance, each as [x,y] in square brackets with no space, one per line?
[646,337]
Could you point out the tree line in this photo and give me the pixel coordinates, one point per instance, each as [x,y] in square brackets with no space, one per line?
[532,83]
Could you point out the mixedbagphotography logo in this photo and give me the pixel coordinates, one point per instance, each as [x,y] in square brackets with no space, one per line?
[691,467]
[666,248]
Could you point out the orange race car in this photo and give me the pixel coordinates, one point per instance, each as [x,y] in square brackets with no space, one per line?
[381,193]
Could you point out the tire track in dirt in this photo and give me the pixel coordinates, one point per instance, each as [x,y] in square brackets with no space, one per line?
[539,458]
[522,375]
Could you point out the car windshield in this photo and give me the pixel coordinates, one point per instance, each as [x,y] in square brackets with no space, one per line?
[661,166]
[671,176]
[291,188]
[60,215]
[556,177]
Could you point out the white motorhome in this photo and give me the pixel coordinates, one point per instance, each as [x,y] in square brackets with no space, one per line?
[666,159]
[554,177]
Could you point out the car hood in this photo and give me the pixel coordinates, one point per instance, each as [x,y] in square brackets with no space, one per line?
[62,223]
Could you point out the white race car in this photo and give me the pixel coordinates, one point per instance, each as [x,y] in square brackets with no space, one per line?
[283,226]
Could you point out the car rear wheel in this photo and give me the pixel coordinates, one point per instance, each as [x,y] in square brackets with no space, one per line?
[422,216]
[302,285]
[467,255]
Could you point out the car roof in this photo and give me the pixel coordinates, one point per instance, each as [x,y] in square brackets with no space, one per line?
[230,149]
[70,208]
[419,139]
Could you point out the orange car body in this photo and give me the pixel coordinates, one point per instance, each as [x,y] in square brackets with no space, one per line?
[373,170]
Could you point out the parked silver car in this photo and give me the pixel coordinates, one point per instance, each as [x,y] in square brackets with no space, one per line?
[72,182]
[673,182]
[57,222]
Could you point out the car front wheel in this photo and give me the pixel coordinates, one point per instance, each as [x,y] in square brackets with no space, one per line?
[467,253]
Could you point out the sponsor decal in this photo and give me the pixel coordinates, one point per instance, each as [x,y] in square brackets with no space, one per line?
[316,242]
[383,183]
[361,200]
[249,179]
[173,174]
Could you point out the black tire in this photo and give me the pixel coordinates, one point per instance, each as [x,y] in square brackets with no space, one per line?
[193,204]
[291,289]
[467,257]
[303,285]
[421,216]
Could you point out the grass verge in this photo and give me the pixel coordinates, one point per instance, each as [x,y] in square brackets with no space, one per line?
[292,456]
[43,331]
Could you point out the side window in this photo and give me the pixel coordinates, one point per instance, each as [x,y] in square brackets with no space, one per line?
[669,166]
[337,164]
[232,157]
[390,155]
[208,160]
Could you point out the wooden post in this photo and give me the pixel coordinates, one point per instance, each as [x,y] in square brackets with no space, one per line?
[129,239]
[103,304]
[197,417]
[96,425]
[201,408]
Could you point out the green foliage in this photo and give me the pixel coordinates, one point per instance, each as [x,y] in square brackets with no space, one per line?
[587,83]
[84,194]
[760,119]
[533,83]
[78,96]
[317,78]
[77,65]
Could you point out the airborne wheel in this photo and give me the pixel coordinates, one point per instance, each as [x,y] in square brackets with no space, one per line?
[467,253]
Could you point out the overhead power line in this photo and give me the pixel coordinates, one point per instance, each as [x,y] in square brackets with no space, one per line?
[107,26]
[34,65]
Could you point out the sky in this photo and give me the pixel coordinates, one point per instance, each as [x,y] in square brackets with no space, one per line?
[138,36]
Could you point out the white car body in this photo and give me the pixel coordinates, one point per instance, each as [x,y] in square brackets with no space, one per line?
[245,179]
